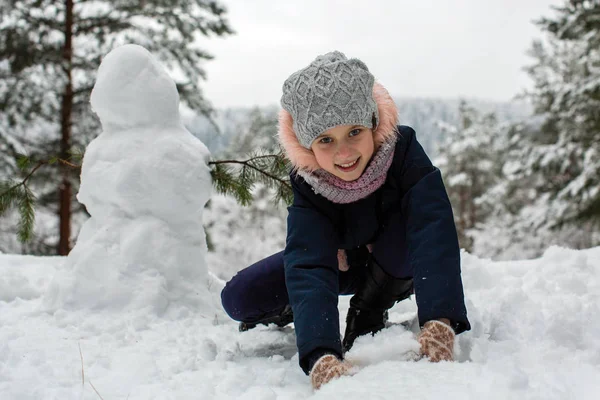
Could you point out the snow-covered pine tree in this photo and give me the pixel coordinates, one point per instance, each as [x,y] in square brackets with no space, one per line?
[470,160]
[49,53]
[504,234]
[561,161]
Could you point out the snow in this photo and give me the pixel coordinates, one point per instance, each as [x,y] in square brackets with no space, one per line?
[133,89]
[145,181]
[134,311]
[243,235]
[535,335]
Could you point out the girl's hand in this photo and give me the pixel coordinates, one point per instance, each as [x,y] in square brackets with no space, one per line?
[437,341]
[328,368]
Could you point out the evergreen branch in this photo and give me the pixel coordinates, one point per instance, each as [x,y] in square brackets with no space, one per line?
[76,154]
[263,156]
[264,168]
[24,181]
[27,213]
[39,164]
[20,195]
[65,162]
[23,197]
[8,197]
[248,160]
[283,194]
[23,161]
[248,163]
[226,183]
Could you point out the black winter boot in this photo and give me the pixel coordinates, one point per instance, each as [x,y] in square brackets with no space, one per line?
[281,320]
[368,307]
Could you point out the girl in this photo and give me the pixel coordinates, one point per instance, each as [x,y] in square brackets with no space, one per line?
[370,217]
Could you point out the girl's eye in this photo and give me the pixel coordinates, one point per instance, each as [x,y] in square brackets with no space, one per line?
[325,140]
[354,132]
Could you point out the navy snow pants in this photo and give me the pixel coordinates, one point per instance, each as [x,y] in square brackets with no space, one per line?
[259,291]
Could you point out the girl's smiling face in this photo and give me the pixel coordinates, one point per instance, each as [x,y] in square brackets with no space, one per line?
[344,150]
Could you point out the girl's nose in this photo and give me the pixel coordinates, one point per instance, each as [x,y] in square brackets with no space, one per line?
[344,150]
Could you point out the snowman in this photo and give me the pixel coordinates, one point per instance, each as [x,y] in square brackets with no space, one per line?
[145,181]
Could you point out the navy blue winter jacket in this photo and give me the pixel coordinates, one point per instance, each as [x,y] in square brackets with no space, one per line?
[317,228]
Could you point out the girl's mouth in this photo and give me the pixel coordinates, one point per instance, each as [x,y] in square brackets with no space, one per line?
[349,167]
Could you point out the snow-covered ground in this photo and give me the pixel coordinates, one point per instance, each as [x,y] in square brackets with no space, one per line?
[134,311]
[536,335]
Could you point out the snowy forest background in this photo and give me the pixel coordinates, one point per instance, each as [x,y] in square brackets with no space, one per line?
[521,175]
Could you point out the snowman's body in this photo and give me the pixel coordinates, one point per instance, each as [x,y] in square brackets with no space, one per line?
[144,181]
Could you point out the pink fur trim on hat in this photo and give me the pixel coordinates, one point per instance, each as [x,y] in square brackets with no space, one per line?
[304,159]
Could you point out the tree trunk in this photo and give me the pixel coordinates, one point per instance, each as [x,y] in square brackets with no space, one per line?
[65,189]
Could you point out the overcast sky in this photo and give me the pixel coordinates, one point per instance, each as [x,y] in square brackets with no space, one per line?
[416,48]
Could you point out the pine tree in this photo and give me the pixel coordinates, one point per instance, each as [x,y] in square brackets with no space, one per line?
[561,161]
[548,192]
[49,53]
[470,162]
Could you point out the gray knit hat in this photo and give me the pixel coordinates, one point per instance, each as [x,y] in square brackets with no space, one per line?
[333,90]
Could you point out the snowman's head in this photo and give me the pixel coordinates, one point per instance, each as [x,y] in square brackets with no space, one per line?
[132,89]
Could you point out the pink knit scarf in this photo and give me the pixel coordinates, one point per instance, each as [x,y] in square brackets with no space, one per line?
[343,192]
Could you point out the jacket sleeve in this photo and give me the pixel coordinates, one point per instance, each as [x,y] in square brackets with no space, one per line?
[432,240]
[311,276]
